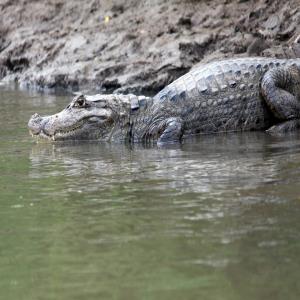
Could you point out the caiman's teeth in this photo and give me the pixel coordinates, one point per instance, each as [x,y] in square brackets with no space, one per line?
[70,129]
[59,134]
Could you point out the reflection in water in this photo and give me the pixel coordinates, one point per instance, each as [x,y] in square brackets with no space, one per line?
[220,176]
[203,166]
[214,218]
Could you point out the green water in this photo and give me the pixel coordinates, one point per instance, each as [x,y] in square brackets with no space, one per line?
[216,218]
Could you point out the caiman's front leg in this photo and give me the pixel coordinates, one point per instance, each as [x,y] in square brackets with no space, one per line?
[280,88]
[172,131]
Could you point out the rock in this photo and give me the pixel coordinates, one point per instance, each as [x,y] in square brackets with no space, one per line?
[257,46]
[193,52]
[185,21]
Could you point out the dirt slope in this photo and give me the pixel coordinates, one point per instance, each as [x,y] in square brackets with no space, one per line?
[136,46]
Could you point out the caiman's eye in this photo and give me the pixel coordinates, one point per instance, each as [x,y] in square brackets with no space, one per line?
[80,102]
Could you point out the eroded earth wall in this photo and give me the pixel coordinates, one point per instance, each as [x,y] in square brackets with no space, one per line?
[136,46]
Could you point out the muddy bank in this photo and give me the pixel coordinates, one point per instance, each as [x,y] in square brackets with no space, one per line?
[136,46]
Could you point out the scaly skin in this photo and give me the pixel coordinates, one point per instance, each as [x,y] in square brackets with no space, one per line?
[231,95]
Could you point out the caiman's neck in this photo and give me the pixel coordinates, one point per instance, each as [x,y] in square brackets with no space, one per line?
[140,117]
[133,117]
[143,119]
[147,119]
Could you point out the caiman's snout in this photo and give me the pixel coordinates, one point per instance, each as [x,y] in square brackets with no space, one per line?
[35,124]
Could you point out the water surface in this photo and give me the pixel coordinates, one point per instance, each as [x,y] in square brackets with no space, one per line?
[215,218]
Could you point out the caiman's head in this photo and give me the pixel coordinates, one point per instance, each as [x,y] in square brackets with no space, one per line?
[96,117]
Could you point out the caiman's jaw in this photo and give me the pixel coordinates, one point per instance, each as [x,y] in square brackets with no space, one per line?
[80,120]
[75,132]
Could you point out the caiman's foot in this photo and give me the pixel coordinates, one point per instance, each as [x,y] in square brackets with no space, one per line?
[280,88]
[172,132]
[285,127]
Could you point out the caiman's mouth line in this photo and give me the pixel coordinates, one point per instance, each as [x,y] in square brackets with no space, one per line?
[59,133]
[41,134]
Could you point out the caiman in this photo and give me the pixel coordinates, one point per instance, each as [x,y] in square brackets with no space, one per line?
[240,94]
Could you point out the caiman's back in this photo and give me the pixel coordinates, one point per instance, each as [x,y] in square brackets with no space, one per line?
[222,96]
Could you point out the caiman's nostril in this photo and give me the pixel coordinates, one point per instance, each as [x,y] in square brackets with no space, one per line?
[35,116]
[35,123]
